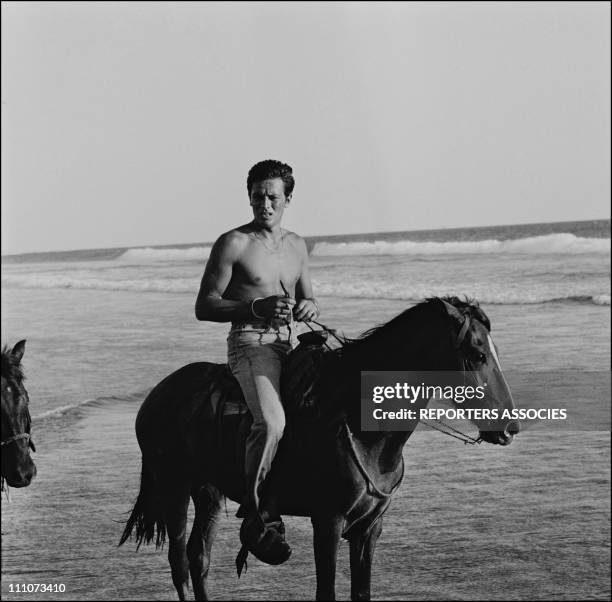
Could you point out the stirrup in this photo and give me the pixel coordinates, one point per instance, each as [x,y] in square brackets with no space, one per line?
[265,540]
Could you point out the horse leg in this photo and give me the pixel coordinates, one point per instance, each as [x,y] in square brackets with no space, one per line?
[205,524]
[362,553]
[326,531]
[176,504]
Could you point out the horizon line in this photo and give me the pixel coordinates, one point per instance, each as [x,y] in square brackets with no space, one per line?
[308,236]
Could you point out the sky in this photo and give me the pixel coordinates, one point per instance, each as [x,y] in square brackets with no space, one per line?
[134,124]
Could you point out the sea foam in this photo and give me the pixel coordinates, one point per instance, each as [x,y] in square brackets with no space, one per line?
[549,243]
[149,254]
[355,288]
[361,289]
[151,285]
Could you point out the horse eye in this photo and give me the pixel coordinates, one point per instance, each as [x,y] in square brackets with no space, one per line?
[479,358]
[8,389]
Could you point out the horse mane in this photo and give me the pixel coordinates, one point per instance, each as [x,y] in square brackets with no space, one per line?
[11,367]
[467,306]
[341,363]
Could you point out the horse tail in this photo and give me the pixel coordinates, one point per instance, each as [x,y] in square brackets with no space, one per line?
[147,514]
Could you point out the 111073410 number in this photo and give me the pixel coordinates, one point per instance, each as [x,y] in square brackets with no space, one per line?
[32,588]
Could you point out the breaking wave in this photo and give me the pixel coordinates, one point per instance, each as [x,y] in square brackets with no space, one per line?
[159,285]
[549,243]
[355,288]
[365,290]
[149,254]
[601,299]
[75,407]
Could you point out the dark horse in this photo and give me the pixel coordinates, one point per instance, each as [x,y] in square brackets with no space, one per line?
[327,469]
[18,469]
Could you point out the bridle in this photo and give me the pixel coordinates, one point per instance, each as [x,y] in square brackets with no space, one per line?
[462,331]
[17,437]
[8,441]
[444,428]
[23,435]
[447,429]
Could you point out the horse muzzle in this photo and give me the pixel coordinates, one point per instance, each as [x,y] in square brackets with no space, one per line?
[21,478]
[504,437]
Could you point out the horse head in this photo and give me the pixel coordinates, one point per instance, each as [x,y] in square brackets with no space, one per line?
[471,351]
[17,465]
[445,335]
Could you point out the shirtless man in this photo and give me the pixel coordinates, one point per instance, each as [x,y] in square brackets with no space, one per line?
[257,278]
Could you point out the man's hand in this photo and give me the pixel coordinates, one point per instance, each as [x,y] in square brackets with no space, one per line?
[274,307]
[306,310]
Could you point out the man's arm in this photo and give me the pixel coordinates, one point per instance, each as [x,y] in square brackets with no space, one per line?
[307,307]
[210,304]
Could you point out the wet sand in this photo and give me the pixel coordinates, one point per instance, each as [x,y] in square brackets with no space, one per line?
[468,522]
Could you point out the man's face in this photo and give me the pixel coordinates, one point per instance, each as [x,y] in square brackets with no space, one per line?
[268,201]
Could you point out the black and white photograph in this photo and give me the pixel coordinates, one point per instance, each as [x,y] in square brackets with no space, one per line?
[305,300]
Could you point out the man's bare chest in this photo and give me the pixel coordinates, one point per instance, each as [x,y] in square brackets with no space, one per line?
[259,265]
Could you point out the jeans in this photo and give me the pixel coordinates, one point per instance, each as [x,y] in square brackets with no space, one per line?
[255,356]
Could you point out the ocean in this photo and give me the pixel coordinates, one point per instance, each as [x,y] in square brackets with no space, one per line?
[103,326]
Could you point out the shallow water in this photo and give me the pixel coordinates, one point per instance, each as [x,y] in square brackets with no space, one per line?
[87,344]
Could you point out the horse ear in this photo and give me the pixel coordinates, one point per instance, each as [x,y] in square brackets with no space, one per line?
[452,311]
[18,350]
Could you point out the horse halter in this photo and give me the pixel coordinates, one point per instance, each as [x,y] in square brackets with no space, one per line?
[17,437]
[447,429]
[462,331]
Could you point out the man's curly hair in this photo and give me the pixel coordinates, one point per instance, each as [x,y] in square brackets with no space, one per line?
[268,169]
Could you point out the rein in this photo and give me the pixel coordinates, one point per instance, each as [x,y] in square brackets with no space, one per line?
[372,489]
[328,331]
[460,435]
[446,430]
